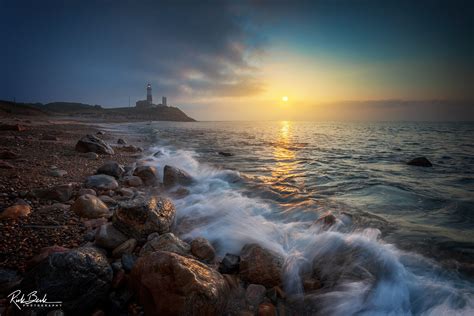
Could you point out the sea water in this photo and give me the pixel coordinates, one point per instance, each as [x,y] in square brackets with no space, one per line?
[403,241]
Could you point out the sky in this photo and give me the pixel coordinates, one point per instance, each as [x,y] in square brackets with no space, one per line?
[236,60]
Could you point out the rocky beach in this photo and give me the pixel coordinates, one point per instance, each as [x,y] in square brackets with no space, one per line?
[88,222]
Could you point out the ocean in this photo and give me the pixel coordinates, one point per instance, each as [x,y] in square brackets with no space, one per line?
[403,241]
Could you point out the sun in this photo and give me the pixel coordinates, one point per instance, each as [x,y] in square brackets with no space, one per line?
[284,98]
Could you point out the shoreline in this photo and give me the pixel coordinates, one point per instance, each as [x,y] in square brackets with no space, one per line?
[58,217]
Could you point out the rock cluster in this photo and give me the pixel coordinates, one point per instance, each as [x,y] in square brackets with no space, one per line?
[91,143]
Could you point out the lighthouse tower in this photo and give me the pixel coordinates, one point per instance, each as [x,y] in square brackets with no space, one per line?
[149,98]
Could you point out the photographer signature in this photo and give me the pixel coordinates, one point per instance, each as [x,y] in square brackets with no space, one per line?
[31,299]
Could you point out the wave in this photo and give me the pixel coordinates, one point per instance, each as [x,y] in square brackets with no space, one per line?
[361,274]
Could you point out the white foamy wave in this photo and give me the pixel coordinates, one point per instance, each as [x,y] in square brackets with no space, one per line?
[361,274]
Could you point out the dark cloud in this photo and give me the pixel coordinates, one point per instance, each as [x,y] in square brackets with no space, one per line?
[89,47]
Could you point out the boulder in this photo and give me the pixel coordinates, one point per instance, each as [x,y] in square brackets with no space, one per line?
[420,162]
[261,266]
[109,201]
[202,249]
[230,264]
[148,174]
[125,247]
[166,242]
[90,206]
[131,149]
[91,143]
[79,278]
[111,168]
[16,211]
[142,216]
[101,181]
[255,294]
[128,261]
[121,141]
[109,237]
[61,193]
[173,176]
[132,181]
[7,154]
[170,284]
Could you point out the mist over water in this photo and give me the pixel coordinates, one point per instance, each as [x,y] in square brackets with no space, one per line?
[403,241]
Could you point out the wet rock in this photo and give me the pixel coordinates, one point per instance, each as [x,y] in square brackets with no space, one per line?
[132,181]
[44,253]
[311,284]
[80,278]
[173,176]
[157,154]
[101,181]
[9,279]
[148,174]
[90,206]
[261,266]
[61,193]
[121,141]
[166,242]
[266,309]
[128,261]
[111,168]
[179,193]
[6,165]
[86,191]
[132,149]
[255,294]
[7,154]
[91,143]
[225,154]
[16,211]
[420,162]
[170,284]
[126,247]
[326,220]
[230,264]
[142,216]
[202,249]
[100,133]
[109,237]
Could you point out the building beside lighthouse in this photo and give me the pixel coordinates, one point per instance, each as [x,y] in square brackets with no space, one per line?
[148,103]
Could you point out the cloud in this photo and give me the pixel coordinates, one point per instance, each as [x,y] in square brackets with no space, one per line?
[184,49]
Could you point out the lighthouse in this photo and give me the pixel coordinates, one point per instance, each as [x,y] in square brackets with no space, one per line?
[149,98]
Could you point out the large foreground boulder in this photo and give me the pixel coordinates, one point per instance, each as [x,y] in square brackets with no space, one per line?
[148,174]
[173,176]
[80,278]
[261,266]
[166,242]
[90,206]
[142,216]
[170,284]
[91,143]
[101,181]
